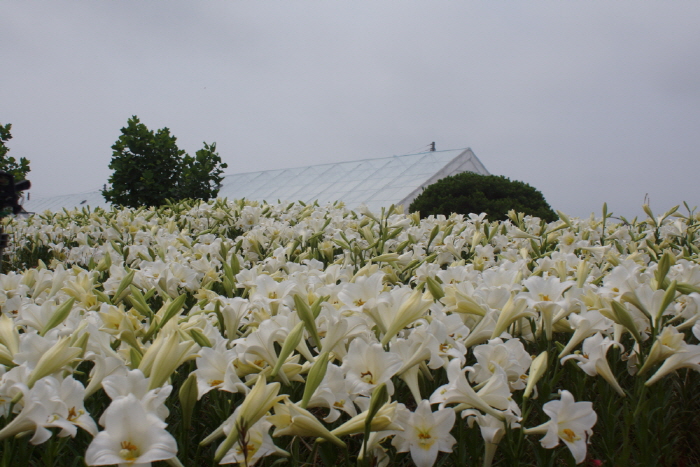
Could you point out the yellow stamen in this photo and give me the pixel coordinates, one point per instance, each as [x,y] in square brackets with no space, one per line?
[568,435]
[129,451]
[425,440]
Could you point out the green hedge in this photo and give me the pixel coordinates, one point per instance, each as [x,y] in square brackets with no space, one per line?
[469,192]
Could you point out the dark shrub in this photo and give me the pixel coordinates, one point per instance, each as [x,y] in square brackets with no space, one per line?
[469,192]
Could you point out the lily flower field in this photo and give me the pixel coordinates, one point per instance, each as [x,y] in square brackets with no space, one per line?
[207,333]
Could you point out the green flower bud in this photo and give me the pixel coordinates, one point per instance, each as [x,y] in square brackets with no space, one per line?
[290,343]
[314,378]
[537,369]
[188,398]
[58,316]
[307,316]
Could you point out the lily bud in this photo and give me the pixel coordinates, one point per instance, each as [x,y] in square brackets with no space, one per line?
[688,358]
[307,316]
[58,356]
[135,358]
[290,343]
[291,420]
[476,240]
[170,354]
[512,311]
[582,271]
[138,301]
[669,296]
[565,219]
[173,308]
[379,397]
[409,311]
[316,306]
[199,337]
[667,260]
[386,258]
[668,342]
[434,288]
[537,369]
[314,378]
[9,336]
[6,357]
[58,316]
[622,316]
[188,398]
[382,420]
[433,234]
[126,282]
[517,233]
[256,404]
[105,263]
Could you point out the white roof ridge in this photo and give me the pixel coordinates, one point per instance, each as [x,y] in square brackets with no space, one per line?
[345,162]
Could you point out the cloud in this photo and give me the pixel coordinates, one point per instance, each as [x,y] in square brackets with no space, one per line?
[588,102]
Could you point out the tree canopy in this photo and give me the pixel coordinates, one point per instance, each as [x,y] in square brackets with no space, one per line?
[148,168]
[469,192]
[18,169]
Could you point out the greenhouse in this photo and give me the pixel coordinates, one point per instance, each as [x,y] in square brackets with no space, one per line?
[373,182]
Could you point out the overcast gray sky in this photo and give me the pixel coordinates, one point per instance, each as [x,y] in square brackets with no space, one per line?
[589,102]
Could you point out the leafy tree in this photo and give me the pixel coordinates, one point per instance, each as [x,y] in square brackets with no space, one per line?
[469,192]
[200,176]
[18,169]
[149,168]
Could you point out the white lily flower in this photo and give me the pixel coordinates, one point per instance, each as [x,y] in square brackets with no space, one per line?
[570,421]
[134,383]
[426,434]
[71,393]
[35,315]
[412,353]
[12,386]
[668,342]
[545,295]
[233,310]
[492,429]
[258,347]
[42,408]
[594,361]
[495,394]
[688,357]
[367,366]
[12,290]
[409,310]
[585,325]
[363,293]
[215,370]
[334,393]
[105,365]
[133,436]
[510,356]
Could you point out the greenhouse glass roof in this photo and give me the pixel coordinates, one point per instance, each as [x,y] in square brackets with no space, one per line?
[376,183]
